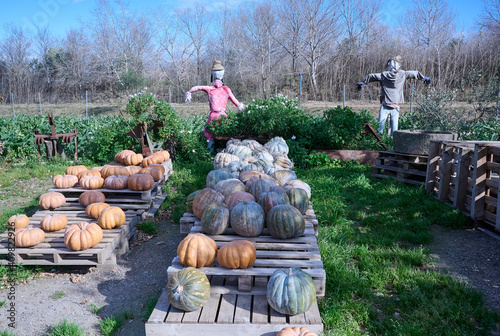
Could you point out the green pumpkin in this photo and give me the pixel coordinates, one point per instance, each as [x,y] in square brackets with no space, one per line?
[215,176]
[242,151]
[188,289]
[298,198]
[285,221]
[281,191]
[261,185]
[247,219]
[190,199]
[291,291]
[269,199]
[215,219]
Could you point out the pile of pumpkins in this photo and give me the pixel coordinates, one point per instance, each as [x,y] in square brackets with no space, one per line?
[251,187]
[82,236]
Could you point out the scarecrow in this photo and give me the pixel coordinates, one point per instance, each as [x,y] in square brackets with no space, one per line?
[391,90]
[218,95]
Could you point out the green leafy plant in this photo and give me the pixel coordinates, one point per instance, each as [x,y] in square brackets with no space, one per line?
[110,325]
[148,227]
[66,328]
[95,308]
[57,295]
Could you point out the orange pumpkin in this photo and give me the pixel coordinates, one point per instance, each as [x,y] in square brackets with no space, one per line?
[116,182]
[114,170]
[111,217]
[119,157]
[92,182]
[158,166]
[132,159]
[54,222]
[18,222]
[237,254]
[93,210]
[204,198]
[74,170]
[89,197]
[154,172]
[197,250]
[82,236]
[65,181]
[91,172]
[152,159]
[28,237]
[140,182]
[296,331]
[164,155]
[246,175]
[133,169]
[52,200]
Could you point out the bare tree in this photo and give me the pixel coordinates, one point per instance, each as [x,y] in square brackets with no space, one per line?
[490,16]
[290,30]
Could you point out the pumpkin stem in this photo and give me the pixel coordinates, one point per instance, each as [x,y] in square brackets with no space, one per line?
[179,289]
[290,272]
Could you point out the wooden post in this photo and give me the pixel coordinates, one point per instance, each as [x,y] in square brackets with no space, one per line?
[478,182]
[445,173]
[432,166]
[462,178]
[76,149]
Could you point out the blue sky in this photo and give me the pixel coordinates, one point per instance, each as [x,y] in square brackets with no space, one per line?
[61,15]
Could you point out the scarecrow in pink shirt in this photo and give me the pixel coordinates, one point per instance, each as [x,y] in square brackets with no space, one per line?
[218,95]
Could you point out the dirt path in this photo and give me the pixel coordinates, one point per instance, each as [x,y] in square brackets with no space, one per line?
[139,277]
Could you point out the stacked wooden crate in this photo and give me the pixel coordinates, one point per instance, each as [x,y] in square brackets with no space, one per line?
[407,168]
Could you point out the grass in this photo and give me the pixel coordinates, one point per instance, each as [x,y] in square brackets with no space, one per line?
[148,227]
[2,303]
[149,306]
[188,177]
[18,273]
[110,325]
[57,295]
[7,333]
[66,328]
[372,238]
[95,308]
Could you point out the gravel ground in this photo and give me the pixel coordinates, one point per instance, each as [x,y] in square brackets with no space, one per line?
[469,255]
[68,294]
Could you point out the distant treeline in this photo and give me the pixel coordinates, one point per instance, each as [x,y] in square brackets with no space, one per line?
[263,45]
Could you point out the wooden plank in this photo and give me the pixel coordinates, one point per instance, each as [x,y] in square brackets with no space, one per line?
[432,166]
[210,309]
[242,314]
[312,316]
[479,182]
[260,312]
[160,311]
[298,319]
[445,173]
[276,317]
[462,178]
[226,310]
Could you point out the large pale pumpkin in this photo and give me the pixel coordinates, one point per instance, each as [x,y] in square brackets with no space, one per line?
[284,176]
[18,221]
[290,291]
[242,151]
[234,168]
[154,172]
[237,254]
[93,210]
[222,159]
[236,197]
[215,219]
[132,159]
[204,199]
[140,182]
[227,187]
[214,176]
[114,170]
[299,184]
[197,250]
[252,144]
[285,221]
[163,155]
[247,219]
[119,157]
[92,196]
[188,289]
[116,182]
[298,198]
[277,144]
[82,236]
[133,169]
[65,181]
[92,182]
[52,200]
[28,237]
[269,199]
[111,218]
[74,170]
[296,331]
[54,222]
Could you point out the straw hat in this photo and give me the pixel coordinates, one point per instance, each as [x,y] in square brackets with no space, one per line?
[217,66]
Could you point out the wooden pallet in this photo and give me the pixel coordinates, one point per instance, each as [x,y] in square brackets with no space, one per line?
[407,168]
[228,312]
[272,253]
[53,252]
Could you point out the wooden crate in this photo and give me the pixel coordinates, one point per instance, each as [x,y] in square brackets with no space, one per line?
[228,312]
[407,168]
[272,253]
[52,250]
